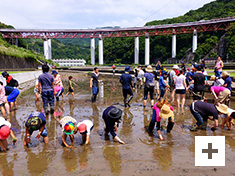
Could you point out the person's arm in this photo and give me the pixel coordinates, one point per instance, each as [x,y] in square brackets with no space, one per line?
[214,94]
[91,82]
[119,140]
[27,136]
[87,139]
[144,80]
[215,125]
[39,87]
[185,85]
[158,131]
[221,64]
[64,141]
[40,132]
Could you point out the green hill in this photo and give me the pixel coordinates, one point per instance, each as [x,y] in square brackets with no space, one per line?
[121,50]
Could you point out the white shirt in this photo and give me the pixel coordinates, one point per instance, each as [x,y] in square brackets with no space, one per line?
[3,121]
[88,124]
[140,74]
[179,82]
[219,82]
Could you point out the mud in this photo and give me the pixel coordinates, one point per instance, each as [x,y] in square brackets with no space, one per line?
[141,155]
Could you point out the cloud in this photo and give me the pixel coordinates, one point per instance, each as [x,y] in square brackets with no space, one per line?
[91,13]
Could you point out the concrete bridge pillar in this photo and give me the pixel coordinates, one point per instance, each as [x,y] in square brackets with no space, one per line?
[194,40]
[173,45]
[101,59]
[136,50]
[92,51]
[47,49]
[146,49]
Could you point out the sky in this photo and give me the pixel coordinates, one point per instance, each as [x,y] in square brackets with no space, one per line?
[89,14]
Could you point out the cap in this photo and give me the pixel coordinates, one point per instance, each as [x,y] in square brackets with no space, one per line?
[82,128]
[4,132]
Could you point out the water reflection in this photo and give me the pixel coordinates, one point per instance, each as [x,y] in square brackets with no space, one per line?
[95,114]
[6,168]
[83,157]
[113,157]
[127,123]
[71,106]
[69,158]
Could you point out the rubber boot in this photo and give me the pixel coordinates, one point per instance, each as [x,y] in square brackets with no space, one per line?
[204,125]
[125,102]
[93,98]
[52,111]
[57,98]
[170,126]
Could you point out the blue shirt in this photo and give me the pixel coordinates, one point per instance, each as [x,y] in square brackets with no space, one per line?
[126,79]
[8,90]
[40,116]
[46,81]
[228,81]
[189,74]
[161,82]
[149,77]
[109,123]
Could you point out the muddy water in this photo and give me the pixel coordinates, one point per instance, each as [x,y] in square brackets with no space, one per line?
[141,155]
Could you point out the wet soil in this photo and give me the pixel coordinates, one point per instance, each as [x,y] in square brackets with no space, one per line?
[141,155]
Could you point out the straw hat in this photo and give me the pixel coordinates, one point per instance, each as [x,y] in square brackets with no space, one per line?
[212,77]
[175,67]
[149,68]
[224,73]
[166,112]
[222,108]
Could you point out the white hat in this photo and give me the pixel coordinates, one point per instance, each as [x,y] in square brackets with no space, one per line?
[175,67]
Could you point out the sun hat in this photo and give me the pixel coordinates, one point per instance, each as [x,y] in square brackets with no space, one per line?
[4,132]
[115,113]
[222,108]
[54,72]
[175,67]
[69,128]
[34,123]
[213,77]
[149,68]
[4,73]
[82,128]
[127,69]
[224,73]
[166,112]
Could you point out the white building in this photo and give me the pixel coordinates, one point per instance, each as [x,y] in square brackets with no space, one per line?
[70,62]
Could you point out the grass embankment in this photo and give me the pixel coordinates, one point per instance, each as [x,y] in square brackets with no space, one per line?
[18,52]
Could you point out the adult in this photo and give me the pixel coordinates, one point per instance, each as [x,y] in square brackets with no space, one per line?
[140,78]
[201,112]
[136,70]
[189,76]
[126,81]
[94,84]
[57,80]
[84,129]
[162,109]
[4,133]
[218,67]
[199,83]
[180,87]
[36,121]
[217,81]
[46,87]
[171,77]
[149,85]
[12,93]
[156,81]
[183,66]
[163,83]
[4,106]
[228,84]
[158,65]
[112,116]
[203,65]
[9,80]
[220,93]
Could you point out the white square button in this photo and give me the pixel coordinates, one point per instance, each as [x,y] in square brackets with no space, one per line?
[209,150]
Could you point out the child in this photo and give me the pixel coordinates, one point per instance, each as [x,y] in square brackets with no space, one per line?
[3,100]
[162,109]
[71,86]
[68,125]
[36,121]
[58,92]
[84,129]
[37,93]
[228,119]
[12,93]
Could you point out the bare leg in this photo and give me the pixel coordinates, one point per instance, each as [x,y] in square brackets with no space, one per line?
[3,111]
[3,144]
[178,100]
[145,102]
[183,102]
[73,94]
[152,102]
[72,139]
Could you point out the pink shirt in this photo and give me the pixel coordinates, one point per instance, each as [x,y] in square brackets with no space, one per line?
[57,80]
[217,89]
[57,88]
[218,65]
[3,97]
[158,118]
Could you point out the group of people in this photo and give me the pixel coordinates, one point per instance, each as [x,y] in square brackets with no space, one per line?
[155,84]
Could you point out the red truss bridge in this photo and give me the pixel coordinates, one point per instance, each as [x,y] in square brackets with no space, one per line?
[179,28]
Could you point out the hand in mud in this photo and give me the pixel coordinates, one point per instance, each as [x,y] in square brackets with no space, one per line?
[121,142]
[38,136]
[213,129]
[70,146]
